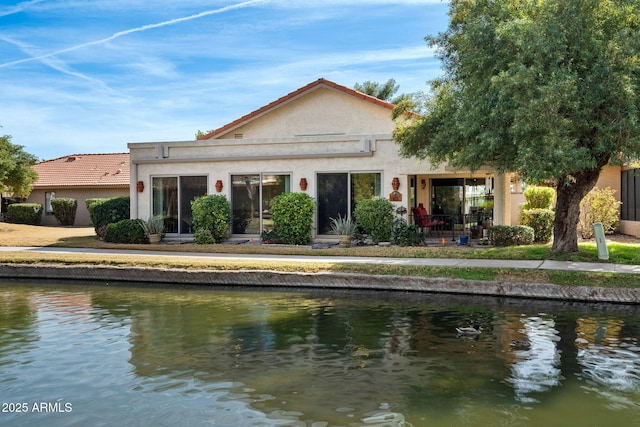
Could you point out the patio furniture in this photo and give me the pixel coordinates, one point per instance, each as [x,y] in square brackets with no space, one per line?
[423,220]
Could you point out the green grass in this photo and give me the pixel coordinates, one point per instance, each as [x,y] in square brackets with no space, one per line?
[625,252]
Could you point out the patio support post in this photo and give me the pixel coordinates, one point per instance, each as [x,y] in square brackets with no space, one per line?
[502,200]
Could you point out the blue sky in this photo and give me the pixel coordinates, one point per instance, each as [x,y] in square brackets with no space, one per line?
[89,76]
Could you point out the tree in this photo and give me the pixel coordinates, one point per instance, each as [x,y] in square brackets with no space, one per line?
[546,88]
[386,92]
[16,175]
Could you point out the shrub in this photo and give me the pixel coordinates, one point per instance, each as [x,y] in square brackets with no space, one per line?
[538,197]
[125,231]
[89,202]
[510,235]
[211,218]
[269,236]
[407,234]
[600,205]
[24,213]
[64,209]
[108,211]
[153,225]
[375,217]
[541,220]
[293,217]
[343,226]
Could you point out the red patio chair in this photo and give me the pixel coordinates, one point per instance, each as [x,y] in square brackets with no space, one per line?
[423,220]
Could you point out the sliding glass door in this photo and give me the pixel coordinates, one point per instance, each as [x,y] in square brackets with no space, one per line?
[251,200]
[339,193]
[172,198]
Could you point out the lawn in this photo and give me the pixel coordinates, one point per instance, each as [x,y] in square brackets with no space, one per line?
[625,251]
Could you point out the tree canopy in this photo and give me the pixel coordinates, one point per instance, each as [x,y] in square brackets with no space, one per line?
[387,92]
[549,89]
[16,175]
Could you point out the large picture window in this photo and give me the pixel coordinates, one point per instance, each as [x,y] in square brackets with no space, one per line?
[172,198]
[630,195]
[251,199]
[339,193]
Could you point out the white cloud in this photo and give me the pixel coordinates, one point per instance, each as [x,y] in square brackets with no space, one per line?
[135,30]
[108,72]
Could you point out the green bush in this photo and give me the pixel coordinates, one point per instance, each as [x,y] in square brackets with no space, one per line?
[89,202]
[24,213]
[211,218]
[407,234]
[293,217]
[125,231]
[107,211]
[600,205]
[270,236]
[538,197]
[510,235]
[375,217]
[541,220]
[64,209]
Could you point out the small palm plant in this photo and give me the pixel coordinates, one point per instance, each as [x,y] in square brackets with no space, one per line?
[344,228]
[153,228]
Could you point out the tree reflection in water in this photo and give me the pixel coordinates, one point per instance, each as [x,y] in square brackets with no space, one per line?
[194,356]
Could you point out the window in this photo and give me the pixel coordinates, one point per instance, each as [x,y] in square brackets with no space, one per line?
[630,195]
[48,210]
[339,193]
[172,198]
[251,200]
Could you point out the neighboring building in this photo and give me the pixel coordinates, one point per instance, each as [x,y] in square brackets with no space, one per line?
[80,177]
[327,140]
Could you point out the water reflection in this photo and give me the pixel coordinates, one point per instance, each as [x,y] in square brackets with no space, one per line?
[536,368]
[223,357]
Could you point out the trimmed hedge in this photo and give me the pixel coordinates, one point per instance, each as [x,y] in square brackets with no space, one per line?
[211,218]
[510,235]
[539,197]
[375,217]
[24,213]
[125,231]
[64,209]
[108,211]
[293,217]
[541,220]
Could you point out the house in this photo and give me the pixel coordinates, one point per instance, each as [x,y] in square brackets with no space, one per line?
[325,139]
[81,177]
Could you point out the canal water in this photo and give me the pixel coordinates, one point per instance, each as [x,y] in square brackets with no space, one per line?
[98,355]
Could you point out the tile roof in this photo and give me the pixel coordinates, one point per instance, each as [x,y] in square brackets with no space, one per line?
[84,170]
[275,104]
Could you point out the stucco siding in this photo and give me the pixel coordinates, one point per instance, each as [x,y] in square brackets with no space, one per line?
[324,111]
[81,195]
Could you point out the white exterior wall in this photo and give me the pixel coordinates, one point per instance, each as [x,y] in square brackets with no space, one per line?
[322,130]
[324,111]
[369,153]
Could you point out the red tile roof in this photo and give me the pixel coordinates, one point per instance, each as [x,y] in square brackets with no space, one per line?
[320,82]
[84,170]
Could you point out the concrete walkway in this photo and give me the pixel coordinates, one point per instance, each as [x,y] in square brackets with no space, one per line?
[328,280]
[594,267]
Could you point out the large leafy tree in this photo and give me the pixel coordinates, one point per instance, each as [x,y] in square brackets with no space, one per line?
[16,175]
[546,88]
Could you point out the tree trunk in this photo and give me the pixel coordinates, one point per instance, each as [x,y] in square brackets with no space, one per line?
[568,198]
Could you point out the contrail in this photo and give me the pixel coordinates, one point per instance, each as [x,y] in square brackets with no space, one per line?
[136,30]
[19,7]
[58,65]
